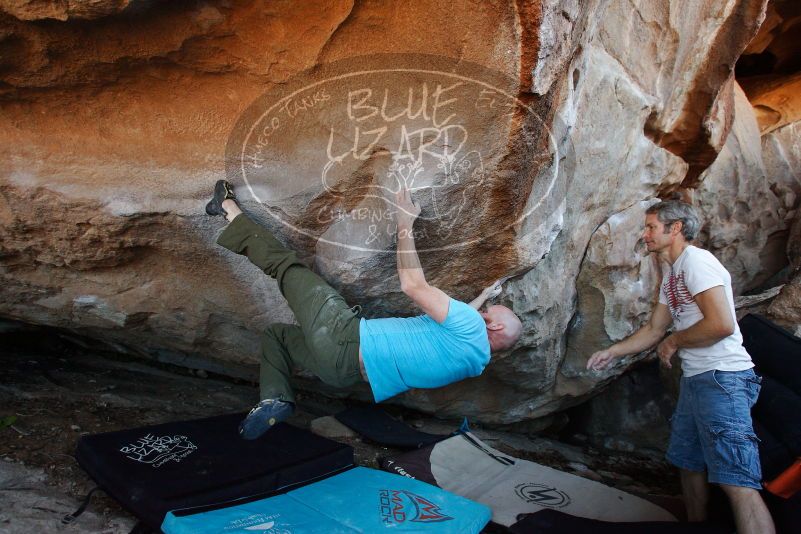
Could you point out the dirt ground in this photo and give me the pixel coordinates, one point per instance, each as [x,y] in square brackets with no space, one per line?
[52,392]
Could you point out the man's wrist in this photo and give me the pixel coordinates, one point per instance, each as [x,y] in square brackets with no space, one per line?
[674,339]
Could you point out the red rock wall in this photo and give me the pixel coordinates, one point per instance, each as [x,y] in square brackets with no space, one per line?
[115,118]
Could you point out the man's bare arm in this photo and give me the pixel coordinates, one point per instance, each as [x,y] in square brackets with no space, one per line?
[433,301]
[493,290]
[643,339]
[716,324]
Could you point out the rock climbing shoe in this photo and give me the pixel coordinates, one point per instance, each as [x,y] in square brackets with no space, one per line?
[222,190]
[264,416]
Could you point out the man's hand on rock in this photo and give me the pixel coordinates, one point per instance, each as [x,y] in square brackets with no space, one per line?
[600,360]
[407,209]
[666,349]
[493,290]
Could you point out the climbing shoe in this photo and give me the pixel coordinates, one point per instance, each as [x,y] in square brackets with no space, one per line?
[264,416]
[222,190]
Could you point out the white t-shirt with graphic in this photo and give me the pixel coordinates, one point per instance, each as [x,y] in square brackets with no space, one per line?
[693,272]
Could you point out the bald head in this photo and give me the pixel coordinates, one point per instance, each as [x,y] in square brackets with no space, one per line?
[503,327]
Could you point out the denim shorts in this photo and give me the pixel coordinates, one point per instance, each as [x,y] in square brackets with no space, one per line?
[711,429]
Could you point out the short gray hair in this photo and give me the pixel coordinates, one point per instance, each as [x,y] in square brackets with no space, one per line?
[676,210]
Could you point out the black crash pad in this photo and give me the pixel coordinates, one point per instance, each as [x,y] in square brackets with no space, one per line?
[377,425]
[155,469]
[554,522]
[775,351]
[779,410]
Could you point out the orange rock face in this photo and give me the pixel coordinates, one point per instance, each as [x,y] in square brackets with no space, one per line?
[523,127]
[64,10]
[776,100]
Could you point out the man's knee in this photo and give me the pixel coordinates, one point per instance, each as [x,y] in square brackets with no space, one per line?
[274,329]
[275,333]
[694,485]
[693,478]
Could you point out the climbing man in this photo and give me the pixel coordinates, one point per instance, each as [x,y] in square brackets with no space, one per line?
[450,342]
[712,439]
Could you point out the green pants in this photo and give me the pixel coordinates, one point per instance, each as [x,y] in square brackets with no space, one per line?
[327,340]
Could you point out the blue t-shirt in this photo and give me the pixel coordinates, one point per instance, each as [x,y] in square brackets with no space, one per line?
[418,352]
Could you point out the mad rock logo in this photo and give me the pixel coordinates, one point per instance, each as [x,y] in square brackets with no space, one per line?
[326,152]
[542,495]
[157,451]
[397,507]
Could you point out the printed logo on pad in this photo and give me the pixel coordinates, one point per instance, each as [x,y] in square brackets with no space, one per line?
[398,506]
[157,451]
[399,470]
[257,523]
[542,495]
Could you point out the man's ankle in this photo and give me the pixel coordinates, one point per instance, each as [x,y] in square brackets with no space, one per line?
[231,209]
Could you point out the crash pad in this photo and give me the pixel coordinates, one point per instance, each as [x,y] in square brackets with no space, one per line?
[510,486]
[154,469]
[554,522]
[378,426]
[357,500]
[775,351]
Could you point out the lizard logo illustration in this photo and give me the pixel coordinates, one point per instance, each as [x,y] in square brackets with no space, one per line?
[157,451]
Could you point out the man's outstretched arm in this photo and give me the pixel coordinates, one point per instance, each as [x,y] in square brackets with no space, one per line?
[433,301]
[643,339]
[493,290]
